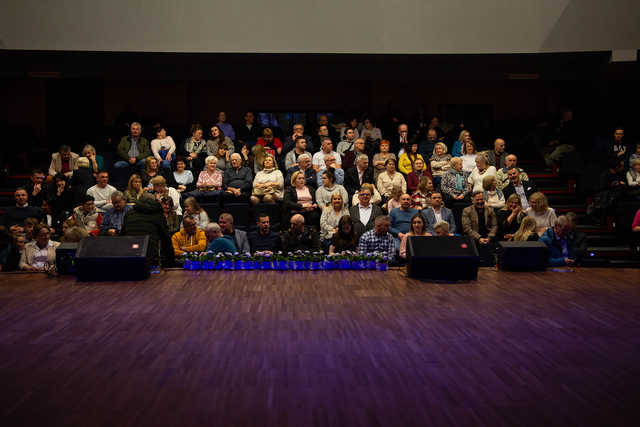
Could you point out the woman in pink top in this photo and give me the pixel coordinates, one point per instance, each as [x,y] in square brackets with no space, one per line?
[300,199]
[209,185]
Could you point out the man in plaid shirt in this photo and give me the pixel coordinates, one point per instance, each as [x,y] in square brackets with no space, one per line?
[378,240]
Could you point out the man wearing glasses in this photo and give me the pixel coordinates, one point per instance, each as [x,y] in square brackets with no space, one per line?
[364,213]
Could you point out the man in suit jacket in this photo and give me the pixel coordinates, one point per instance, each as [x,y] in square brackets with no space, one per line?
[225,221]
[480,222]
[524,189]
[364,213]
[359,174]
[437,213]
[63,162]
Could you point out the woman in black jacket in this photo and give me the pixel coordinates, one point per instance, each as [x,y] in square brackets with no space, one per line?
[299,198]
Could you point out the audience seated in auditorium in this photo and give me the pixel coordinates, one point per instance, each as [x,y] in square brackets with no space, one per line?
[378,240]
[300,237]
[161,190]
[249,131]
[417,172]
[195,149]
[29,226]
[291,158]
[15,215]
[319,159]
[359,174]
[540,211]
[134,189]
[173,220]
[330,164]
[493,197]
[479,222]
[633,175]
[523,189]
[329,186]
[496,157]
[239,237]
[510,217]
[440,162]
[469,156]
[364,212]
[272,144]
[511,161]
[146,218]
[441,229]
[218,139]
[345,239]
[371,134]
[60,199]
[163,147]
[63,162]
[264,240]
[394,200]
[375,198]
[350,157]
[321,133]
[304,165]
[454,183]
[331,217]
[101,192]
[298,132]
[323,121]
[560,243]
[182,176]
[268,183]
[399,144]
[390,178]
[400,219]
[209,184]
[224,126]
[436,212]
[237,180]
[114,216]
[133,149]
[482,170]
[347,142]
[40,254]
[96,161]
[192,209]
[408,158]
[86,215]
[151,170]
[299,198]
[460,148]
[190,238]
[351,124]
[421,197]
[417,228]
[527,231]
[380,159]
[218,242]
[426,147]
[37,188]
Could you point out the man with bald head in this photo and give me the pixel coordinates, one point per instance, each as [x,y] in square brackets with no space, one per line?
[300,237]
[511,161]
[497,155]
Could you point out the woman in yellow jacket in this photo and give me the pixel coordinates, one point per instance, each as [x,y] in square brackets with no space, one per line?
[405,163]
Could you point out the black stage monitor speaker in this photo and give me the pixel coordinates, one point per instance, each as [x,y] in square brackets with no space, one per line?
[66,258]
[523,256]
[114,258]
[449,259]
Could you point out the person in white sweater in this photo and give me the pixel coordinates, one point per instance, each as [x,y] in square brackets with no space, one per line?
[268,184]
[163,147]
[101,192]
[478,173]
[330,218]
[540,211]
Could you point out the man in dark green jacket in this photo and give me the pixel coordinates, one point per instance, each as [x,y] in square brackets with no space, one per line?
[147,218]
[133,149]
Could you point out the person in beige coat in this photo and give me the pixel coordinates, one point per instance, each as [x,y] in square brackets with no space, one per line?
[40,254]
[64,161]
[482,233]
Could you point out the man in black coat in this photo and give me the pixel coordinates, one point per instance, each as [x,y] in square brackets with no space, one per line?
[147,218]
[524,189]
[15,215]
[359,174]
[299,237]
[364,213]
[249,131]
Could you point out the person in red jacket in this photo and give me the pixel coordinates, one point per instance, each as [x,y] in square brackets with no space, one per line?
[271,143]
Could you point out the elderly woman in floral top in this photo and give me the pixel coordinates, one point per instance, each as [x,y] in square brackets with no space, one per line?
[209,183]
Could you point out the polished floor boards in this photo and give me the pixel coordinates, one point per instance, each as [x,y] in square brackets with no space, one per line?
[322,349]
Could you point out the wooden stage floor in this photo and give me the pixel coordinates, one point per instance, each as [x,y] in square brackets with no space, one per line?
[322,349]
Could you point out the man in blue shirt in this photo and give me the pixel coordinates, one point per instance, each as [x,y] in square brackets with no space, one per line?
[263,239]
[400,219]
[113,217]
[560,243]
[216,241]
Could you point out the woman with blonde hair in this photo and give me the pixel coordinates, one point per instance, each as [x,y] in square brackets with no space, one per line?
[459,147]
[510,217]
[96,161]
[192,208]
[134,188]
[149,171]
[394,199]
[439,162]
[271,144]
[330,218]
[161,190]
[540,211]
[389,179]
[420,199]
[259,153]
[527,231]
[268,184]
[300,199]
[493,196]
